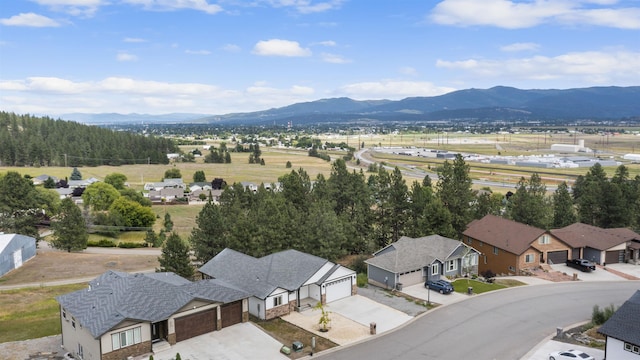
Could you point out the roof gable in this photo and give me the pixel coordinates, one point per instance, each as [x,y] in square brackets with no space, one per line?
[409,254]
[116,296]
[581,235]
[624,324]
[508,235]
[288,269]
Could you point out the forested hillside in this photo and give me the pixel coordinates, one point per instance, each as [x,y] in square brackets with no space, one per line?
[27,140]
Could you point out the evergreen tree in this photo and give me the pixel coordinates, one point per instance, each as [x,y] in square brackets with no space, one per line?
[564,213]
[323,232]
[168,223]
[528,205]
[208,236]
[151,238]
[455,193]
[75,174]
[69,228]
[49,183]
[487,203]
[588,192]
[175,257]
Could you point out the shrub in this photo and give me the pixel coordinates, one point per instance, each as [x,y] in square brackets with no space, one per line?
[131,245]
[600,316]
[358,265]
[102,243]
[361,280]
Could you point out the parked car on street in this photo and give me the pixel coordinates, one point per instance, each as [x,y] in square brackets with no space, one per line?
[441,286]
[581,264]
[570,355]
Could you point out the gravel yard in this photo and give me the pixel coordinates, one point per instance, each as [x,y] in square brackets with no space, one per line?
[46,348]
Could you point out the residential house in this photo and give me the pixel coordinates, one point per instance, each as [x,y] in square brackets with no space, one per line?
[39,180]
[166,194]
[623,331]
[282,282]
[602,246]
[410,261]
[510,247]
[15,250]
[165,184]
[123,315]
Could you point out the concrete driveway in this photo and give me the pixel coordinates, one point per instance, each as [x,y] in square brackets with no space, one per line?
[420,292]
[599,275]
[237,342]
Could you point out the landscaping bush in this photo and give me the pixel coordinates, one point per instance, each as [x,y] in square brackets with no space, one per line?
[361,280]
[358,265]
[102,243]
[131,245]
[600,316]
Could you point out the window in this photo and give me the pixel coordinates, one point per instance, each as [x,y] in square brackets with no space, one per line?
[80,351]
[64,313]
[529,258]
[481,243]
[469,240]
[495,250]
[435,269]
[452,265]
[73,322]
[277,301]
[126,338]
[469,260]
[632,348]
[544,240]
[511,268]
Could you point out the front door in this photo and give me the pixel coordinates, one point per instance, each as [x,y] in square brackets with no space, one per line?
[158,331]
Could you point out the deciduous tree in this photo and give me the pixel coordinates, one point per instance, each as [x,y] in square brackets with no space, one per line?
[69,228]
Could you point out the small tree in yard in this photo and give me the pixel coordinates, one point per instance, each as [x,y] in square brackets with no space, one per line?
[175,257]
[69,228]
[324,320]
[75,174]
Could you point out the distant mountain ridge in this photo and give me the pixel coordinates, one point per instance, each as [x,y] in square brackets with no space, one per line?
[497,103]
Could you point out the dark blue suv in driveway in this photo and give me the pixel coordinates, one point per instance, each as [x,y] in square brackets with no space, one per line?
[441,286]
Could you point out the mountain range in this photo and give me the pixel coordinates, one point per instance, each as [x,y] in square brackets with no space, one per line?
[494,104]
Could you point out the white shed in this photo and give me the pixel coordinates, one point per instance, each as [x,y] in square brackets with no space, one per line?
[15,250]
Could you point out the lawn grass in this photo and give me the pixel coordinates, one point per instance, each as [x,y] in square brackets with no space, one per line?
[183,217]
[32,312]
[461,285]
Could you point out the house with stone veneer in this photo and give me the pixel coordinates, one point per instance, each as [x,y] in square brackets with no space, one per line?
[122,315]
[510,247]
[282,282]
[602,246]
[623,331]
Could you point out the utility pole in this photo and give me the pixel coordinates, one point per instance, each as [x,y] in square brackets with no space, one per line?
[65,160]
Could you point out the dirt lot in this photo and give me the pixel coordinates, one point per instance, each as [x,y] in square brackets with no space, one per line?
[56,265]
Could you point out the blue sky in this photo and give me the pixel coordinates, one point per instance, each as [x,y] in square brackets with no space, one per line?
[217,57]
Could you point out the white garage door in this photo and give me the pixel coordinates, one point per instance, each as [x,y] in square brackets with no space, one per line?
[412,278]
[338,289]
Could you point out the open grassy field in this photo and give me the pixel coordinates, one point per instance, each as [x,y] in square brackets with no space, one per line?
[32,312]
[183,217]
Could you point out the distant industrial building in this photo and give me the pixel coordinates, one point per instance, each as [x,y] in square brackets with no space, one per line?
[570,147]
[632,157]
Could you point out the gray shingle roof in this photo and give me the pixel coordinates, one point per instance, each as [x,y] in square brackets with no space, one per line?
[115,296]
[409,254]
[624,325]
[288,269]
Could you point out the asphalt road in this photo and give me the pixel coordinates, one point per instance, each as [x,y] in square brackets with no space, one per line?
[501,325]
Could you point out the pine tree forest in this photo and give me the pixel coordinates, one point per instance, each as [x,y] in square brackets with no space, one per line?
[27,140]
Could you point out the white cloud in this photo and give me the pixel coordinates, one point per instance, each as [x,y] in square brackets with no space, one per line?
[334,58]
[391,89]
[515,47]
[524,14]
[589,68]
[171,5]
[278,47]
[198,52]
[29,19]
[408,70]
[50,96]
[307,6]
[86,8]
[134,40]
[328,43]
[124,57]
[233,48]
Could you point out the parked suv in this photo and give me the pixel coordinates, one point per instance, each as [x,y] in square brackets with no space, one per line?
[442,286]
[581,264]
